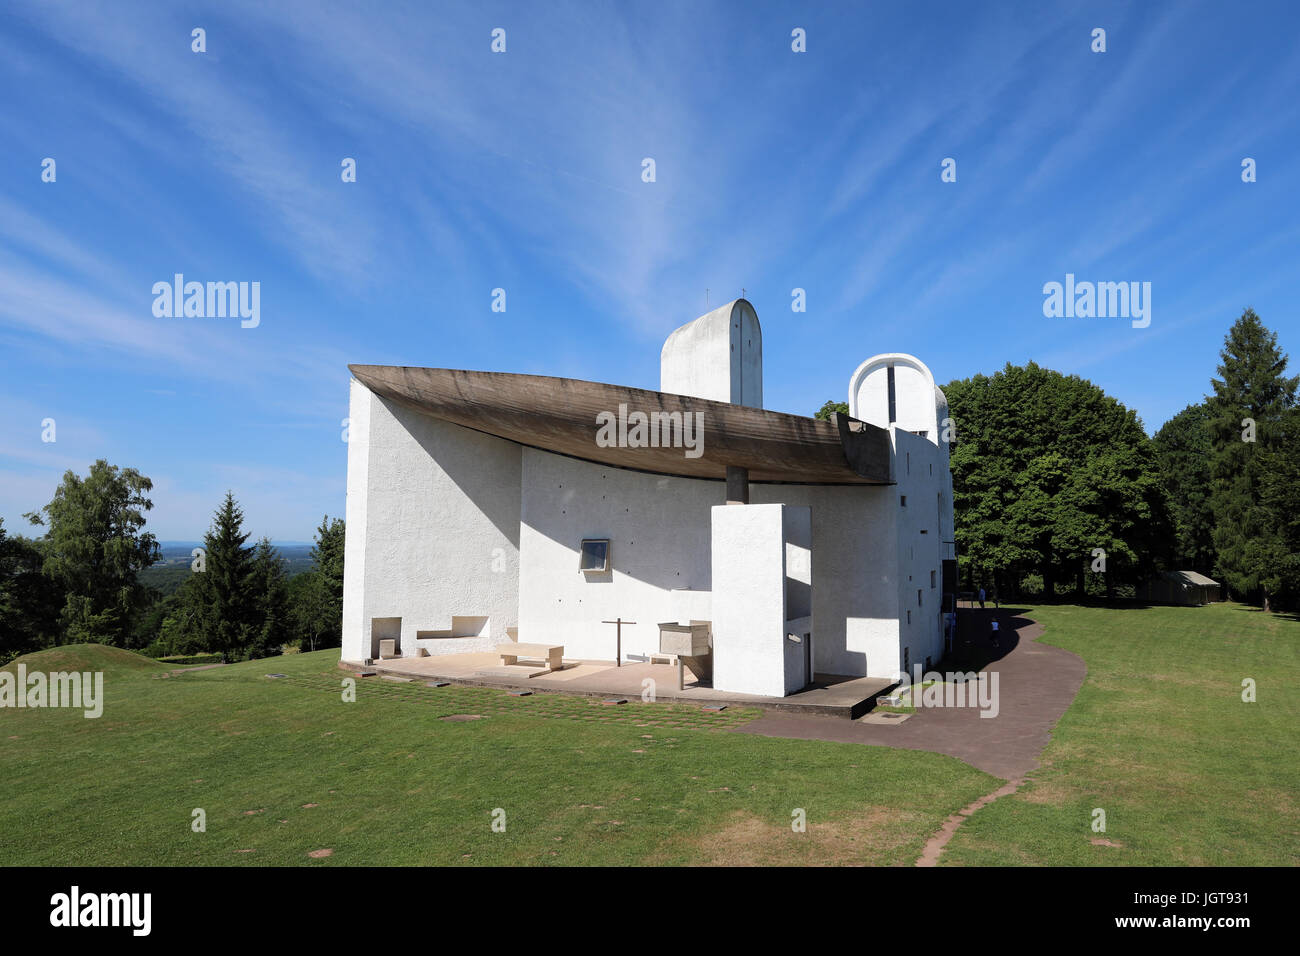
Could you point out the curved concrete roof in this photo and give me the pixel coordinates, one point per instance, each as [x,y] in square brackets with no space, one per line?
[560,415]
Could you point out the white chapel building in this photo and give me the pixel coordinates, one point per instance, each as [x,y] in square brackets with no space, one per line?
[485,507]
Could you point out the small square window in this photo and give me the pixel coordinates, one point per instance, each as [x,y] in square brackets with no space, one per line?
[594,555]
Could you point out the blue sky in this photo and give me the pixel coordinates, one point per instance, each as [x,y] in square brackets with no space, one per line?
[522,170]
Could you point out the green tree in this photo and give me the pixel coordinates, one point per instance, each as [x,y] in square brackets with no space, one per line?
[95,548]
[221,600]
[317,595]
[1184,448]
[1048,469]
[29,599]
[1252,398]
[824,413]
[1279,490]
[270,584]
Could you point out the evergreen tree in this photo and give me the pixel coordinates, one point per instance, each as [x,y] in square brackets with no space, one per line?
[270,584]
[317,603]
[221,600]
[1251,399]
[1184,448]
[95,548]
[1279,489]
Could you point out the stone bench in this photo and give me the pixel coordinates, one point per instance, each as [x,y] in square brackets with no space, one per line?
[387,650]
[552,654]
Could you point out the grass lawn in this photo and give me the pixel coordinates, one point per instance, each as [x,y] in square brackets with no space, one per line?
[1160,739]
[283,767]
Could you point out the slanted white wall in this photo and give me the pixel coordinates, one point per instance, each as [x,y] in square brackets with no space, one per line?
[718,356]
[432,532]
[356,630]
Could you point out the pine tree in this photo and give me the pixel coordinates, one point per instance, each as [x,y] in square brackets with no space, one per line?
[1252,396]
[1280,496]
[270,586]
[318,595]
[222,598]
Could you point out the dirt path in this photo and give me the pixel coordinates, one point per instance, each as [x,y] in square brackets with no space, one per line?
[1036,683]
[934,846]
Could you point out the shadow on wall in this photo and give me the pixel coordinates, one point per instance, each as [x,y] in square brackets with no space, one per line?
[465,471]
[657,526]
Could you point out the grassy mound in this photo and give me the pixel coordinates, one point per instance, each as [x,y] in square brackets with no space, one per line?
[85,657]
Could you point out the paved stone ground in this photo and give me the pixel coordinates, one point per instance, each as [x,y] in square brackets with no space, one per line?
[1036,683]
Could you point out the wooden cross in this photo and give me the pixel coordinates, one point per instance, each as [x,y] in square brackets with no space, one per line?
[618,653]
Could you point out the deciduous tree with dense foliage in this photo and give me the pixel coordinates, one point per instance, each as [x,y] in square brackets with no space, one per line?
[1049,474]
[29,599]
[94,549]
[829,407]
[1184,448]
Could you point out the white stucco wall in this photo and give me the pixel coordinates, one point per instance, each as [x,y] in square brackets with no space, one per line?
[436,532]
[914,393]
[659,545]
[718,356]
[749,600]
[660,541]
[855,578]
[355,628]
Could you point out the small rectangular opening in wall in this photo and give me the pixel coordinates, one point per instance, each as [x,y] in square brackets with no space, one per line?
[593,557]
[893,417]
[902,501]
[919,592]
[385,629]
[932,579]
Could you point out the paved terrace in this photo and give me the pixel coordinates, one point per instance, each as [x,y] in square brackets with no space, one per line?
[1036,685]
[830,696]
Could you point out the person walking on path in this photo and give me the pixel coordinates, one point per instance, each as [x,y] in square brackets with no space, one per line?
[994,627]
[981,598]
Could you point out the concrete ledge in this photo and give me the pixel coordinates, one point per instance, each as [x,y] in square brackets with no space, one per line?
[844,699]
